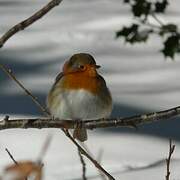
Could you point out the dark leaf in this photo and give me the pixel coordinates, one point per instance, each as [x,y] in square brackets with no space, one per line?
[126,31]
[170,27]
[171,46]
[160,7]
[141,7]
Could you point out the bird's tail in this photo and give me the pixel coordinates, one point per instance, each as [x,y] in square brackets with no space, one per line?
[80,133]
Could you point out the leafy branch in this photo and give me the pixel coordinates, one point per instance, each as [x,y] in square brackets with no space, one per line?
[141,30]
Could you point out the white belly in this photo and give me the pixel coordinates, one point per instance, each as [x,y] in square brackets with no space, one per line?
[79,104]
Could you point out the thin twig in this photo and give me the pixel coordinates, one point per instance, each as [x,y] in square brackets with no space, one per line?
[34,99]
[97,165]
[83,165]
[168,160]
[11,156]
[27,22]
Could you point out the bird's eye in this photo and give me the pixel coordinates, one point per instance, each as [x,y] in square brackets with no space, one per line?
[81,67]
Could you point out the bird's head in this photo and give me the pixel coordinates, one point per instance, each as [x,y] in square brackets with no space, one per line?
[81,63]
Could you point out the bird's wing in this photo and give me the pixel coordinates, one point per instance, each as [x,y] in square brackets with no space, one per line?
[50,94]
[58,77]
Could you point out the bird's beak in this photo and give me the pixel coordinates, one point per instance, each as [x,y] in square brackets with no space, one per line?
[92,70]
[97,66]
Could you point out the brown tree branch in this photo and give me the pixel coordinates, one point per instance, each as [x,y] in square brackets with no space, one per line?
[168,160]
[132,121]
[27,22]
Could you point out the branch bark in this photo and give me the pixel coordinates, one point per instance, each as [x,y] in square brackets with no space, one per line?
[27,22]
[132,121]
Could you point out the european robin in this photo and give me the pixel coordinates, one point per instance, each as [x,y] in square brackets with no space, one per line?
[80,93]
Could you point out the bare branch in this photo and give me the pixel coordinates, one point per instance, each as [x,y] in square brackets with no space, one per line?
[11,156]
[132,121]
[34,99]
[97,165]
[168,160]
[27,22]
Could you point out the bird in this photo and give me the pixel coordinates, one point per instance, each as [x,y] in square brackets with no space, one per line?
[80,93]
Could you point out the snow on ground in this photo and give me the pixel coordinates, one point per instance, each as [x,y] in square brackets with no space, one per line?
[125,156]
[138,76]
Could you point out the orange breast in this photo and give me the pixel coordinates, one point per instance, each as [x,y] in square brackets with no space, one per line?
[81,81]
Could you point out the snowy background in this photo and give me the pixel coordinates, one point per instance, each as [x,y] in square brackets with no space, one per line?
[140,80]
